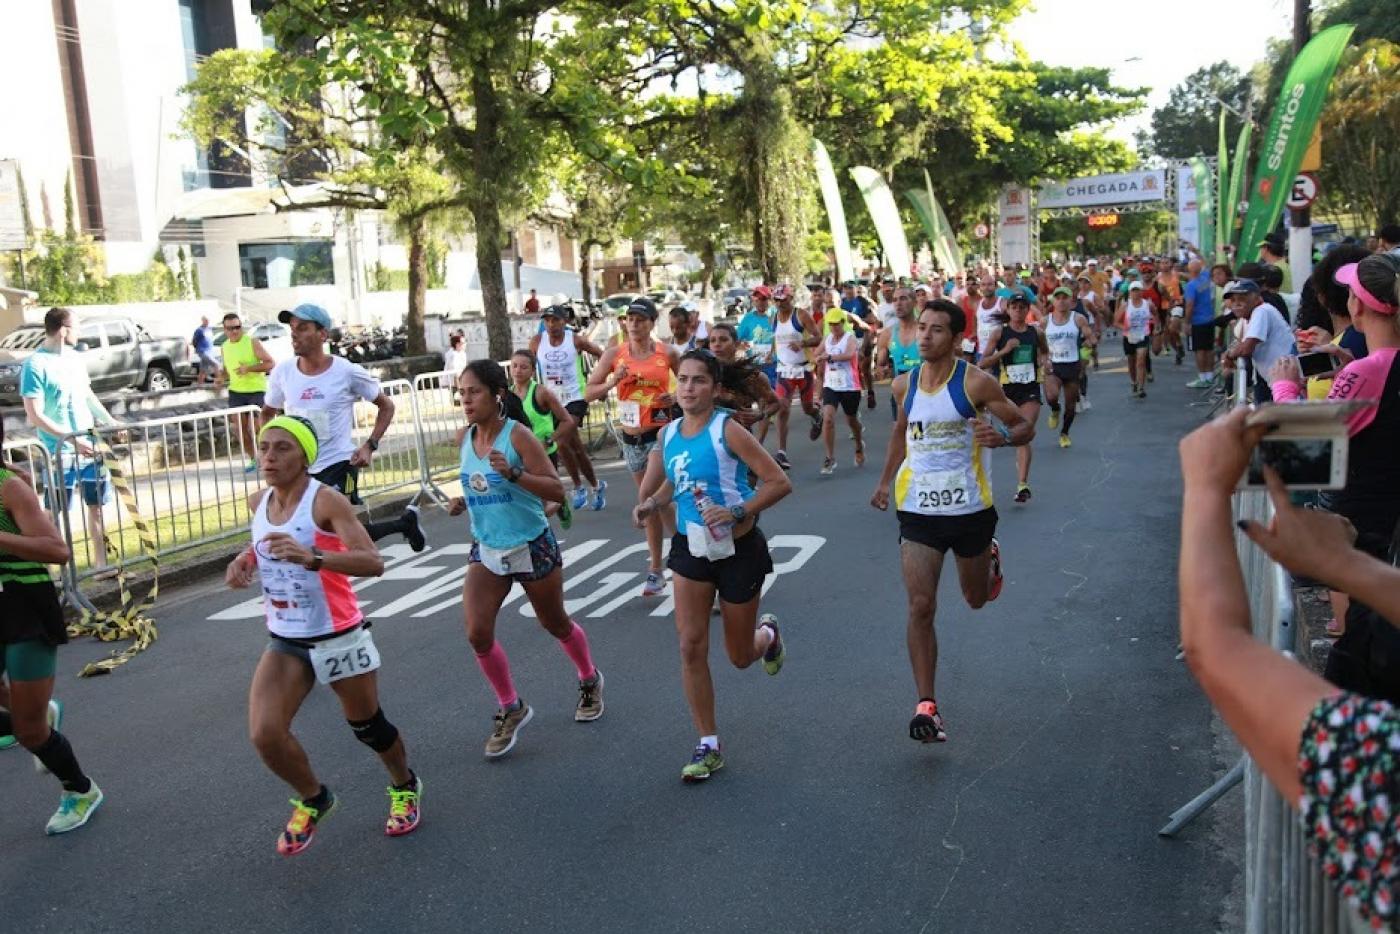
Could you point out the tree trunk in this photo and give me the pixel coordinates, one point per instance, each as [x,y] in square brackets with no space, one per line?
[585,271]
[487,143]
[490,241]
[707,270]
[417,286]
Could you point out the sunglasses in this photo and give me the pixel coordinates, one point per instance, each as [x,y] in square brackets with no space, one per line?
[233,327]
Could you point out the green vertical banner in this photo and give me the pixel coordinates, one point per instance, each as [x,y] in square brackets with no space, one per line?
[1290,130]
[836,214]
[950,242]
[1230,203]
[1222,216]
[1205,205]
[885,213]
[923,209]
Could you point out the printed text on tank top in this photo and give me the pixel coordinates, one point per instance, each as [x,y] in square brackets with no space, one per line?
[989,318]
[1019,366]
[1139,321]
[559,367]
[792,364]
[945,470]
[1063,338]
[648,378]
[841,375]
[300,603]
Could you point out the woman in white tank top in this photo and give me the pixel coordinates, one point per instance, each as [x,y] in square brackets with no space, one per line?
[307,544]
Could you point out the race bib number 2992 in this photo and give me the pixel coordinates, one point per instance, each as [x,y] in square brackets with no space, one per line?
[938,492]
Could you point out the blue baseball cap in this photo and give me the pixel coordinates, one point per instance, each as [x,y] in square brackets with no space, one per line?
[307,312]
[1242,287]
[1018,295]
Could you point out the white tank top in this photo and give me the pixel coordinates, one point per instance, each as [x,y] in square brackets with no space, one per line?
[988,320]
[945,471]
[1063,340]
[841,375]
[1139,320]
[303,604]
[559,368]
[784,333]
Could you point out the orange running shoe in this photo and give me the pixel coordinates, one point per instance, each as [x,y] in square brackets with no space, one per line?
[301,828]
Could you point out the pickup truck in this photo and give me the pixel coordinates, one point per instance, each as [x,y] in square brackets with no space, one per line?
[118,355]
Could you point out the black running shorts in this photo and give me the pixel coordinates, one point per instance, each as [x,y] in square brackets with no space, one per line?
[848,401]
[738,578]
[1021,393]
[968,536]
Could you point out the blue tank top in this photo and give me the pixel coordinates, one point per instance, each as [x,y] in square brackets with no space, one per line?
[903,357]
[504,515]
[703,459]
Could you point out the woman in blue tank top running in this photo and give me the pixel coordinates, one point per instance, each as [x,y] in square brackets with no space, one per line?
[702,465]
[506,480]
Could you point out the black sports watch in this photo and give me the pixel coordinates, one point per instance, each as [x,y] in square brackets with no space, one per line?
[373,445]
[738,512]
[514,474]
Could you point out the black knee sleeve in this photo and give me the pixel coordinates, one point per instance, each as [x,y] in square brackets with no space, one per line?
[377,732]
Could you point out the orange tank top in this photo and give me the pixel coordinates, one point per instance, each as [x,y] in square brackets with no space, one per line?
[647,378]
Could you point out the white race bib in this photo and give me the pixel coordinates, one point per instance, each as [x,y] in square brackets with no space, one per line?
[838,378]
[504,562]
[1178,312]
[793,371]
[969,345]
[1020,373]
[566,389]
[629,413]
[941,492]
[702,544]
[344,656]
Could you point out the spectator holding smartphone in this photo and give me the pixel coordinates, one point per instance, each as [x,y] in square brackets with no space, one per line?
[1330,754]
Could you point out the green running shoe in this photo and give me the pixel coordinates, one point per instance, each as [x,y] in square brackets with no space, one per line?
[704,762]
[776,653]
[74,810]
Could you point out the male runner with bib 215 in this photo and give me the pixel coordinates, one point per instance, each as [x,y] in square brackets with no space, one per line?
[307,544]
[937,463]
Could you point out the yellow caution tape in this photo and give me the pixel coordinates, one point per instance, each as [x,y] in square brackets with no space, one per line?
[129,620]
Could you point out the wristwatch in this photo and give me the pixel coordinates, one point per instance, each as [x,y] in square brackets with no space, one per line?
[514,474]
[317,558]
[738,512]
[373,445]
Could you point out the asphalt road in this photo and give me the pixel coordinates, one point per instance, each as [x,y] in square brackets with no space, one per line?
[1073,732]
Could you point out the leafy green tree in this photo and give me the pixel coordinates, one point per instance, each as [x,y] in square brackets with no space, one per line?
[1360,126]
[312,123]
[1374,19]
[1189,123]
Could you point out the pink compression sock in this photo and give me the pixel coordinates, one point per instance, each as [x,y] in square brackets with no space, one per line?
[576,647]
[496,667]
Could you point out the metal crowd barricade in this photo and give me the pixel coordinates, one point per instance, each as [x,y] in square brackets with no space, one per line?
[1285,890]
[439,418]
[186,476]
[398,464]
[32,460]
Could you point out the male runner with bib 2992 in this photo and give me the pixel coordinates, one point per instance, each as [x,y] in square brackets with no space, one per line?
[307,544]
[938,467]
[559,350]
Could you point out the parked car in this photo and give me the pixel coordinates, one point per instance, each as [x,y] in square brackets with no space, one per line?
[276,337]
[118,354]
[665,297]
[617,304]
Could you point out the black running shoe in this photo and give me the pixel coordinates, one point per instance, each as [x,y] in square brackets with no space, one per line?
[413,529]
[1023,495]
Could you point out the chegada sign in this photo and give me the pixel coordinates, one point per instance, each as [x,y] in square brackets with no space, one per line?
[1099,190]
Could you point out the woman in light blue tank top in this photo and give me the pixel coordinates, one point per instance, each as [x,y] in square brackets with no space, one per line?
[506,479]
[702,464]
